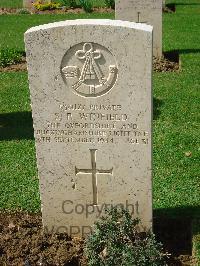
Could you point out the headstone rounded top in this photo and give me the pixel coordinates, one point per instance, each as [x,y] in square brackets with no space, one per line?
[97,22]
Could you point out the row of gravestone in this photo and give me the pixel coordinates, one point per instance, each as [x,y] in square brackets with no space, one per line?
[91,95]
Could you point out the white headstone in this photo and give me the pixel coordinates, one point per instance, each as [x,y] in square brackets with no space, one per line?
[28,3]
[143,11]
[163,2]
[90,83]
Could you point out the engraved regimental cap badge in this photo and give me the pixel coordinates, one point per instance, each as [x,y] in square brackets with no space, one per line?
[89,69]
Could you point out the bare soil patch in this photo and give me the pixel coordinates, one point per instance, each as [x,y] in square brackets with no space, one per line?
[7,11]
[73,11]
[22,66]
[14,68]
[165,64]
[169,62]
[22,242]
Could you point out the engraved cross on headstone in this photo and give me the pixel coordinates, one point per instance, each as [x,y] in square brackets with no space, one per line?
[139,13]
[94,171]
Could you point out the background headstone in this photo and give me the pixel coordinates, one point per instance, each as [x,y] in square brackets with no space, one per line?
[92,113]
[163,3]
[143,11]
[28,3]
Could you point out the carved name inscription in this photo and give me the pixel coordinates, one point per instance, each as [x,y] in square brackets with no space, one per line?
[92,124]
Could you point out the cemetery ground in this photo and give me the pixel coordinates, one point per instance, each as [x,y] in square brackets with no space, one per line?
[176,182]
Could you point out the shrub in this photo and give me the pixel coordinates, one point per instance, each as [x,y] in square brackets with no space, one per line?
[70,3]
[23,11]
[48,6]
[10,56]
[86,5]
[116,241]
[110,3]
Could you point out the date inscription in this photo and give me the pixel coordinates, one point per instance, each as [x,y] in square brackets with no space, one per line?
[102,124]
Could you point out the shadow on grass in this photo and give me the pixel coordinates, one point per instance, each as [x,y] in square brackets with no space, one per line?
[174,54]
[17,125]
[180,212]
[173,228]
[185,4]
[171,7]
[156,108]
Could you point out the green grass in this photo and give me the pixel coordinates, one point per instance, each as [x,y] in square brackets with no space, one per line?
[176,97]
[176,176]
[11,3]
[13,37]
[19,182]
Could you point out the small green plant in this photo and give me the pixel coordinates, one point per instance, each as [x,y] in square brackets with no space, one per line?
[48,6]
[10,56]
[23,11]
[70,3]
[86,5]
[116,241]
[110,4]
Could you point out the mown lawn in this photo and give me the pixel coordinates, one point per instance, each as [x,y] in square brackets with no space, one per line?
[14,26]
[176,126]
[176,174]
[11,3]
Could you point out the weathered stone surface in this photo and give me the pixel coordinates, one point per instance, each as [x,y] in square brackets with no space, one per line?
[90,83]
[28,3]
[163,3]
[143,11]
